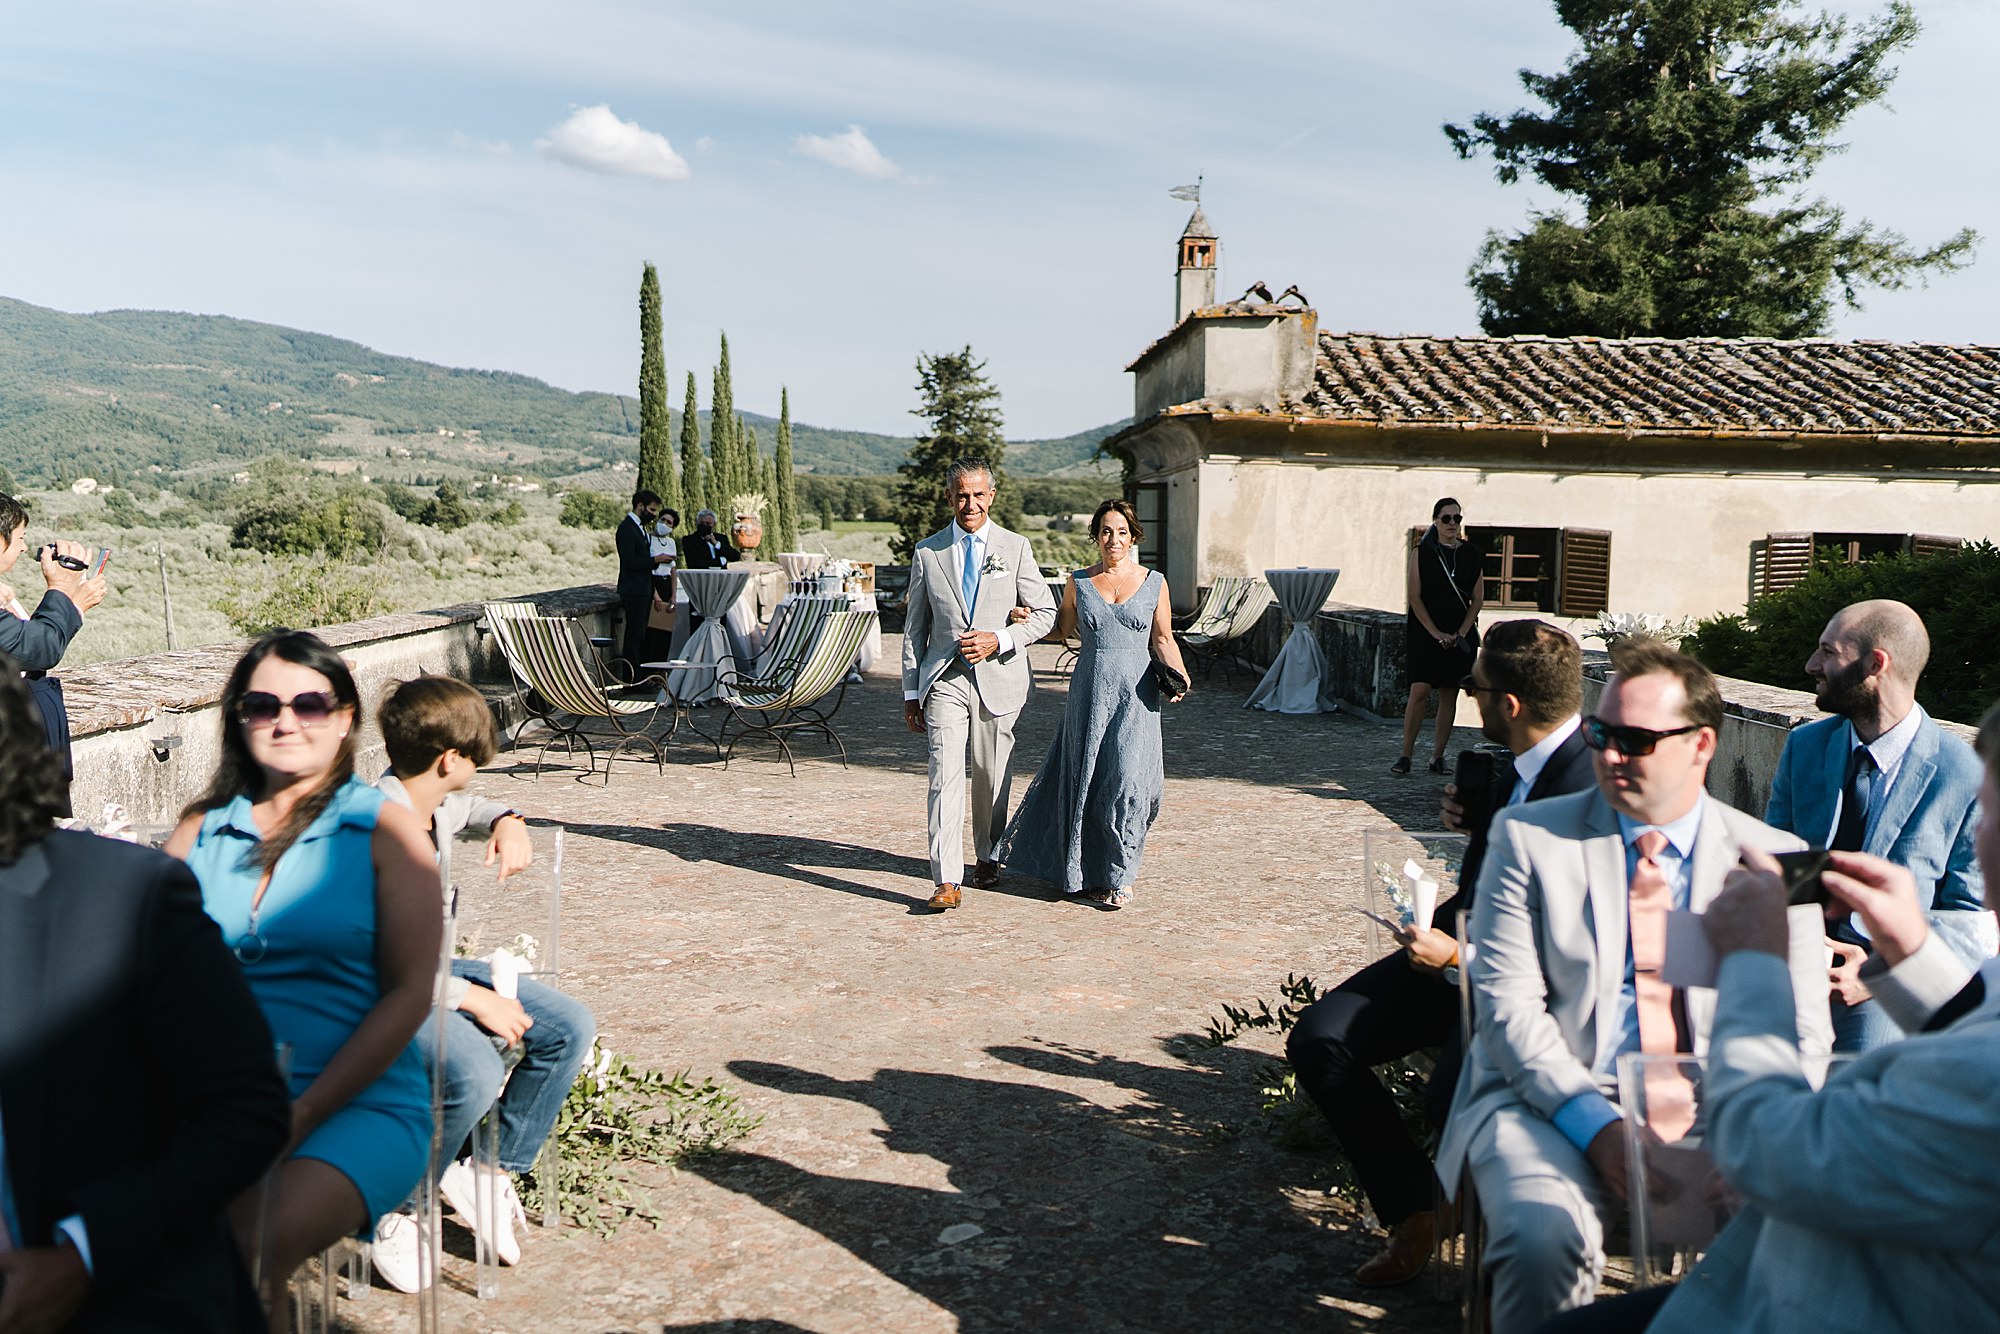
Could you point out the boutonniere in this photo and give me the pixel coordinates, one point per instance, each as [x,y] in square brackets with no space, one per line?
[994,565]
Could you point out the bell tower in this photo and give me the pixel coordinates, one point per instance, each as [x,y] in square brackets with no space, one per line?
[1194,281]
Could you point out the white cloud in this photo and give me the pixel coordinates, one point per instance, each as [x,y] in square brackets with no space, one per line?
[465,143]
[852,151]
[596,140]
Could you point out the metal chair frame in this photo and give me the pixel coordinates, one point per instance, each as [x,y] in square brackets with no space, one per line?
[556,659]
[1221,645]
[791,696]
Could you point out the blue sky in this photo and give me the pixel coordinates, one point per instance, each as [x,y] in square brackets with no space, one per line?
[838,186]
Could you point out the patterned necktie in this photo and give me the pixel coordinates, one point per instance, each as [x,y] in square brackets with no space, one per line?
[1669,1095]
[1851,830]
[968,578]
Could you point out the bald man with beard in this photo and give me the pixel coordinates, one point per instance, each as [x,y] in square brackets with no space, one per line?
[1881,777]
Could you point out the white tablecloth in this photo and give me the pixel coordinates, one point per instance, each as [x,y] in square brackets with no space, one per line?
[871,646]
[726,635]
[801,564]
[1296,682]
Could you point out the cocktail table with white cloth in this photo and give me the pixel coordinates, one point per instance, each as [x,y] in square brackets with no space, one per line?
[1296,682]
[800,565]
[712,649]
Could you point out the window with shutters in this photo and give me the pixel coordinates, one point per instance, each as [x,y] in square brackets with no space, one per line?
[1547,570]
[1783,559]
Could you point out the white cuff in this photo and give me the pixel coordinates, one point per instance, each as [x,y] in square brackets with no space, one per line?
[1006,638]
[910,695]
[72,1227]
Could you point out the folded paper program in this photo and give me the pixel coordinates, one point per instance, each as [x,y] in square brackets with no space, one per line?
[1423,895]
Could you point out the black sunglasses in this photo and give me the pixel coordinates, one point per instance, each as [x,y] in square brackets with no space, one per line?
[1632,742]
[1472,687]
[260,708]
[1451,518]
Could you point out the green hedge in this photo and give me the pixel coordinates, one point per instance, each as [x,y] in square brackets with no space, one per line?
[1956,592]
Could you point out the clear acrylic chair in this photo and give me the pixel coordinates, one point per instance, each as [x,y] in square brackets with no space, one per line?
[1677,1200]
[521,914]
[1390,893]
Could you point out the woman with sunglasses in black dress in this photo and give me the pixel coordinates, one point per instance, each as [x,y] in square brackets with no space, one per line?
[1442,629]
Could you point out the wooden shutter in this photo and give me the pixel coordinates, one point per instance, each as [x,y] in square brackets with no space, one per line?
[1788,558]
[1583,572]
[1930,544]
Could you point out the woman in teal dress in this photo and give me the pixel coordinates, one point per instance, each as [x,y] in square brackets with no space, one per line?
[329,899]
[1082,823]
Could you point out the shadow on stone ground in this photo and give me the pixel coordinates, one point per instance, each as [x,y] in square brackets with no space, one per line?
[991,1119]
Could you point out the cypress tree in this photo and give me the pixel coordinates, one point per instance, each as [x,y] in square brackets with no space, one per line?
[721,438]
[962,408]
[784,483]
[1687,130]
[656,450]
[694,485]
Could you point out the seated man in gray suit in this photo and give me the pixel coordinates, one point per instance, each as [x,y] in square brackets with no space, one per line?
[1568,930]
[1873,1204]
[1881,777]
[965,670]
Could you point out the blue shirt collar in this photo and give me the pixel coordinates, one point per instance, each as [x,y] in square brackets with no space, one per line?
[1680,833]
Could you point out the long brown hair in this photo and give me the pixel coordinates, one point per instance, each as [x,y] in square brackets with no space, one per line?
[240,775]
[30,775]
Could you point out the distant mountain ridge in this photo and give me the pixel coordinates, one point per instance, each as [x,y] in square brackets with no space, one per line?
[123,390]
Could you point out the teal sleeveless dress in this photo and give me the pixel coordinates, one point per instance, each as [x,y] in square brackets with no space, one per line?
[309,957]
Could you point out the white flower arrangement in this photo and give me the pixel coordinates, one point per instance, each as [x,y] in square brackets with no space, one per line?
[1613,626]
[750,502]
[993,565]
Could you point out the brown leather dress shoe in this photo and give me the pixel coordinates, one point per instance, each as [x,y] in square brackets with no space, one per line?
[986,875]
[1404,1255]
[944,896]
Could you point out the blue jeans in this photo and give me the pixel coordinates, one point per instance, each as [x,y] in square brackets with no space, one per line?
[553,1050]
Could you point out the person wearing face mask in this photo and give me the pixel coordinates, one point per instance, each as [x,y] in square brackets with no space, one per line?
[705,548]
[635,575]
[1881,777]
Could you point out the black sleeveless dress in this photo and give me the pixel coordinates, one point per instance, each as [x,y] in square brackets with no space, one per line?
[1446,578]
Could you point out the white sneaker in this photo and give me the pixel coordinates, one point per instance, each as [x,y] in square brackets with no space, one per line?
[396,1251]
[461,1190]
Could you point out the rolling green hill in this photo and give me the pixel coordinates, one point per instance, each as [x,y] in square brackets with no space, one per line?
[109,394]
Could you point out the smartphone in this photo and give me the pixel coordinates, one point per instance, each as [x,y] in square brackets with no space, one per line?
[102,556]
[1474,780]
[1802,873]
[1396,927]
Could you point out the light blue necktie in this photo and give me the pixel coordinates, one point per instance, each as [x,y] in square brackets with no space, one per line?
[968,579]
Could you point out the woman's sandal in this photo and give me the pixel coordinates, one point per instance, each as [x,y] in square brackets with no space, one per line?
[1401,766]
[1117,898]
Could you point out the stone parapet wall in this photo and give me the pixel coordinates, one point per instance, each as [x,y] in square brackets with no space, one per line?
[119,710]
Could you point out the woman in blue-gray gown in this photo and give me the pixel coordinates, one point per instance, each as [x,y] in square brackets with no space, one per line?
[1082,822]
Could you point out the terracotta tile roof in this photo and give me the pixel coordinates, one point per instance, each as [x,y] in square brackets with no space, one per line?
[1652,384]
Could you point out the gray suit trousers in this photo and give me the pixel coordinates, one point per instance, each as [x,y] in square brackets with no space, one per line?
[957,720]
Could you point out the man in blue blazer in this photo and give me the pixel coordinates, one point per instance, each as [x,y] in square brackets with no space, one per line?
[1881,777]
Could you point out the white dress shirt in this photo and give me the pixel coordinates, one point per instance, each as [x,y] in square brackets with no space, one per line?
[1528,765]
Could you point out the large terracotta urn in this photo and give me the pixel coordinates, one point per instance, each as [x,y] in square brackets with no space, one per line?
[747,532]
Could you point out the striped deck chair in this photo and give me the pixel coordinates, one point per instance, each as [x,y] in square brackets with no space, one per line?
[1221,643]
[794,626]
[795,696]
[533,707]
[557,662]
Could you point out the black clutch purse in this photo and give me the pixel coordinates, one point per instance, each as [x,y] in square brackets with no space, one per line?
[1171,683]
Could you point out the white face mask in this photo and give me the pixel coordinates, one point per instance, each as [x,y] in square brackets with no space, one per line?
[663,528]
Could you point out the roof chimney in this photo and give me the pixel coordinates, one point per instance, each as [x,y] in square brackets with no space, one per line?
[1194,282]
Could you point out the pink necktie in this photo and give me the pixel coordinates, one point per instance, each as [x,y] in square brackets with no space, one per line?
[1669,1095]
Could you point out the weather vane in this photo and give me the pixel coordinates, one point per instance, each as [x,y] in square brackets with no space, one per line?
[1190,193]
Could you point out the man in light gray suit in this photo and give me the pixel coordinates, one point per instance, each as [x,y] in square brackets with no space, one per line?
[1881,777]
[1568,924]
[965,670]
[1874,1203]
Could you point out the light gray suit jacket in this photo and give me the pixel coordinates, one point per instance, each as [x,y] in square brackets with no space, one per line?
[936,615]
[1874,1204]
[1548,935]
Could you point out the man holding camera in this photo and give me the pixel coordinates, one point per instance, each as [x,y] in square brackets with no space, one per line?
[1527,679]
[39,641]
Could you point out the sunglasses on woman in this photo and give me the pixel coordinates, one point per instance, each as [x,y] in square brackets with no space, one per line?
[260,708]
[1632,742]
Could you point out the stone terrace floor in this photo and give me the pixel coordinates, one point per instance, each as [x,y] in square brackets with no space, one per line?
[1000,1118]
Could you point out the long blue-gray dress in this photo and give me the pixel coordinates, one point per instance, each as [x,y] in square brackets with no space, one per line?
[1082,822]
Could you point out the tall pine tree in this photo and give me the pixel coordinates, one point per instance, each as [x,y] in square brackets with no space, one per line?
[722,438]
[961,407]
[1687,130]
[785,483]
[656,449]
[694,481]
